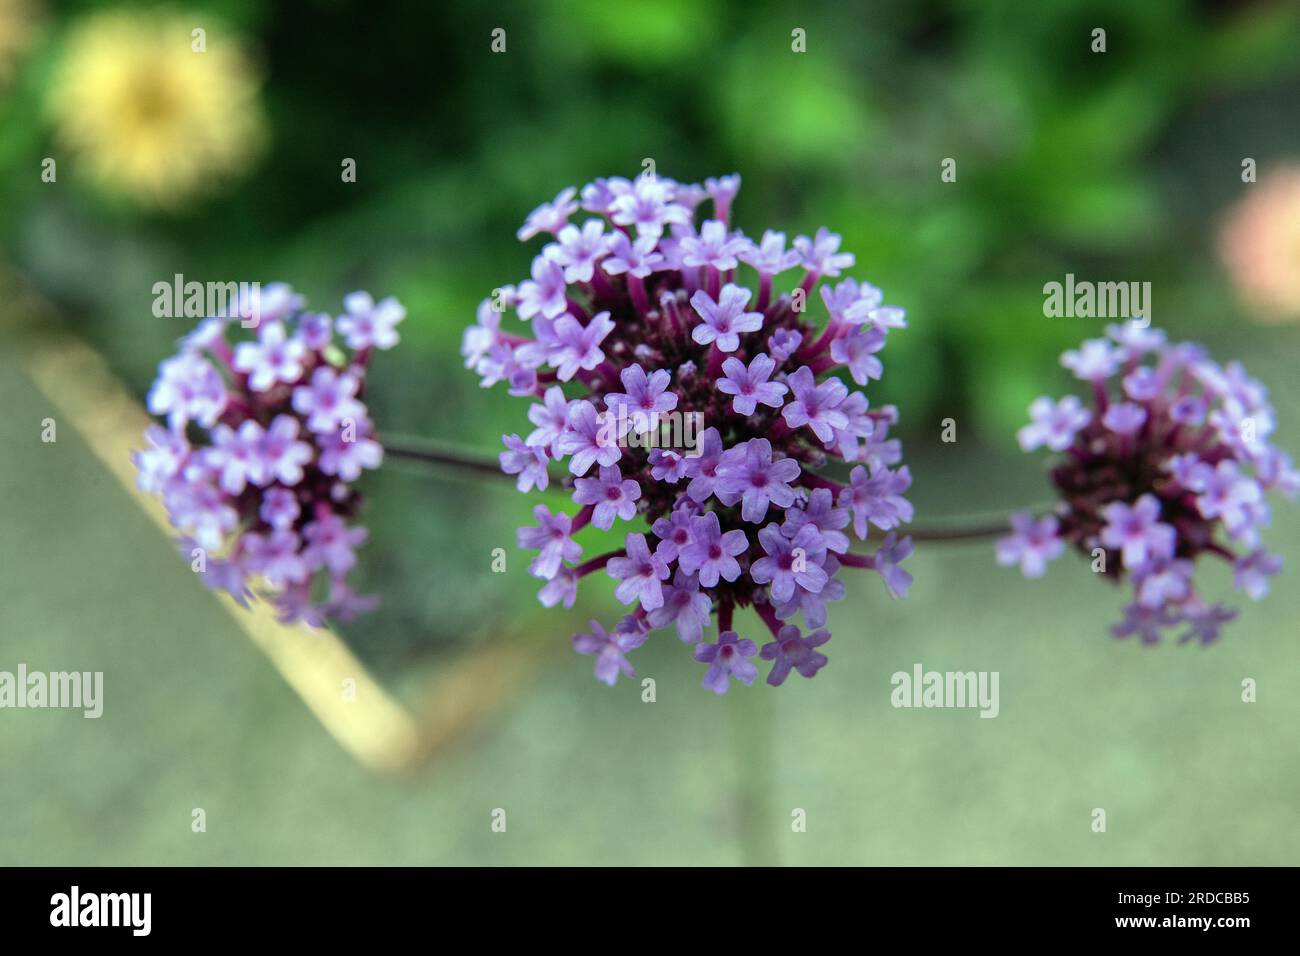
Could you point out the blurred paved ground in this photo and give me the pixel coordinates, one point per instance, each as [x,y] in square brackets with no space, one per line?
[196,717]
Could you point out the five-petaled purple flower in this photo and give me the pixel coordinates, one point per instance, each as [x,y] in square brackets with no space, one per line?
[749,386]
[725,319]
[790,650]
[728,658]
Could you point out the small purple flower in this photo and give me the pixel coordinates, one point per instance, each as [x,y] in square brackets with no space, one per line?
[637,258]
[722,190]
[711,553]
[275,302]
[162,460]
[821,513]
[1093,361]
[331,543]
[1189,410]
[649,207]
[727,659]
[879,451]
[546,293]
[579,249]
[813,605]
[1143,384]
[526,461]
[1136,339]
[674,532]
[590,439]
[725,319]
[713,247]
[667,465]
[783,344]
[857,351]
[316,329]
[1137,532]
[790,564]
[612,494]
[349,450]
[640,574]
[274,357]
[236,456]
[1164,582]
[1053,424]
[367,324]
[860,425]
[549,216]
[222,575]
[284,456]
[1229,495]
[685,607]
[561,589]
[329,398]
[887,560]
[1204,622]
[280,508]
[276,557]
[1031,545]
[758,480]
[1148,623]
[850,302]
[877,499]
[599,196]
[1124,418]
[552,537]
[480,338]
[770,256]
[749,386]
[1251,573]
[645,398]
[816,405]
[791,651]
[703,468]
[578,346]
[610,650]
[551,419]
[821,254]
[202,511]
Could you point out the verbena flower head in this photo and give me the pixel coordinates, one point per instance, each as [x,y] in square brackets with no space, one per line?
[266,434]
[1170,463]
[684,384]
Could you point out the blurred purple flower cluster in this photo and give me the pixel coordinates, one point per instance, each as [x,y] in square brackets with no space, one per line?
[640,324]
[265,438]
[1171,462]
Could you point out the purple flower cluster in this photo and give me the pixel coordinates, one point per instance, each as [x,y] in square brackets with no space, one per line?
[265,438]
[1172,462]
[640,324]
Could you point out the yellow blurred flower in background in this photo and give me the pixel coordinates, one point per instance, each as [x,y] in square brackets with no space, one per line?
[18,19]
[1260,244]
[162,106]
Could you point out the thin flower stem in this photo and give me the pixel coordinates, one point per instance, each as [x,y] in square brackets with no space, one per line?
[768,614]
[476,463]
[993,528]
[598,562]
[465,461]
